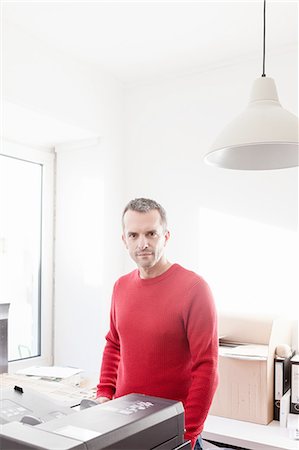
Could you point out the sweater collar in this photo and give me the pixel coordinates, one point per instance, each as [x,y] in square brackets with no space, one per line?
[154,280]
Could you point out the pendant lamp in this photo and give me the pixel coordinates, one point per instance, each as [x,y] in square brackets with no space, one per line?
[263,137]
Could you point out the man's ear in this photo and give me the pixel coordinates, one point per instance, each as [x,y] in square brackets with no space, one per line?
[124,240]
[167,236]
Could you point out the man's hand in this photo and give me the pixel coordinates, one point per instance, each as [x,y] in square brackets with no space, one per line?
[102,399]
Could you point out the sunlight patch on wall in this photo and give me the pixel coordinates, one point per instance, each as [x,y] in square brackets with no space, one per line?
[250,266]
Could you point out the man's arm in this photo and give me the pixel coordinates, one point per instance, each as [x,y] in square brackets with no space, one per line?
[111,356]
[108,375]
[202,333]
[101,400]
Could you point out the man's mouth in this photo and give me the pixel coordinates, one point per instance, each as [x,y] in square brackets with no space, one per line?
[144,254]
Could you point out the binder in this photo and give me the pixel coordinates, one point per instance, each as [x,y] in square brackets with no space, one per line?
[282,381]
[294,404]
[284,408]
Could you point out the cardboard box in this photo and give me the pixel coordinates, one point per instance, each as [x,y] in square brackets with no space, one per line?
[246,366]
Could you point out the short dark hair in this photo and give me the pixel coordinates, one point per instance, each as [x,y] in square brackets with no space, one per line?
[144,205]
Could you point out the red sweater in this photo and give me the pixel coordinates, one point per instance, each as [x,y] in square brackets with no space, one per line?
[163,342]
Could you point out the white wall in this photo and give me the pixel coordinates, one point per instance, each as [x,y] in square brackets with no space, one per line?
[86,253]
[170,126]
[55,85]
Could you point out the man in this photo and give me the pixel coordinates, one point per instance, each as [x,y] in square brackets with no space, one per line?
[163,329]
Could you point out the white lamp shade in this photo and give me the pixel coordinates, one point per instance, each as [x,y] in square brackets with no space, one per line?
[263,137]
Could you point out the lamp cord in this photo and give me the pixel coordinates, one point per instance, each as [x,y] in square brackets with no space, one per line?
[264,40]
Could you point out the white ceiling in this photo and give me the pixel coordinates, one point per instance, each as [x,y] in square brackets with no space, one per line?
[39,130]
[140,40]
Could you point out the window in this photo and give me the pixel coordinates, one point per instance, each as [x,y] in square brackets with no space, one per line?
[26,242]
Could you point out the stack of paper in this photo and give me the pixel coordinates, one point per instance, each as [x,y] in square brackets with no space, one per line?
[69,375]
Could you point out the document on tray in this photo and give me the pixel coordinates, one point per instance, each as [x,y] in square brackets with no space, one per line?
[257,352]
[50,371]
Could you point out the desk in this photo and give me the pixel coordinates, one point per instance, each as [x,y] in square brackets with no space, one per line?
[249,435]
[229,431]
[59,391]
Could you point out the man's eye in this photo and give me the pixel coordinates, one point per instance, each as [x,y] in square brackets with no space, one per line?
[153,234]
[132,235]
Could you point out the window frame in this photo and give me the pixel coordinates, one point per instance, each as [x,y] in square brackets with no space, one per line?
[46,158]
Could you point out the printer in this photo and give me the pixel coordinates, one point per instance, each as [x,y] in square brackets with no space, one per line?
[29,420]
[4,308]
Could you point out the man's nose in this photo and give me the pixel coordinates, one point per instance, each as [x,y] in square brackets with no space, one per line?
[142,243]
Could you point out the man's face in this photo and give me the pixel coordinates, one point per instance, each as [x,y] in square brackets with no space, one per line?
[144,237]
